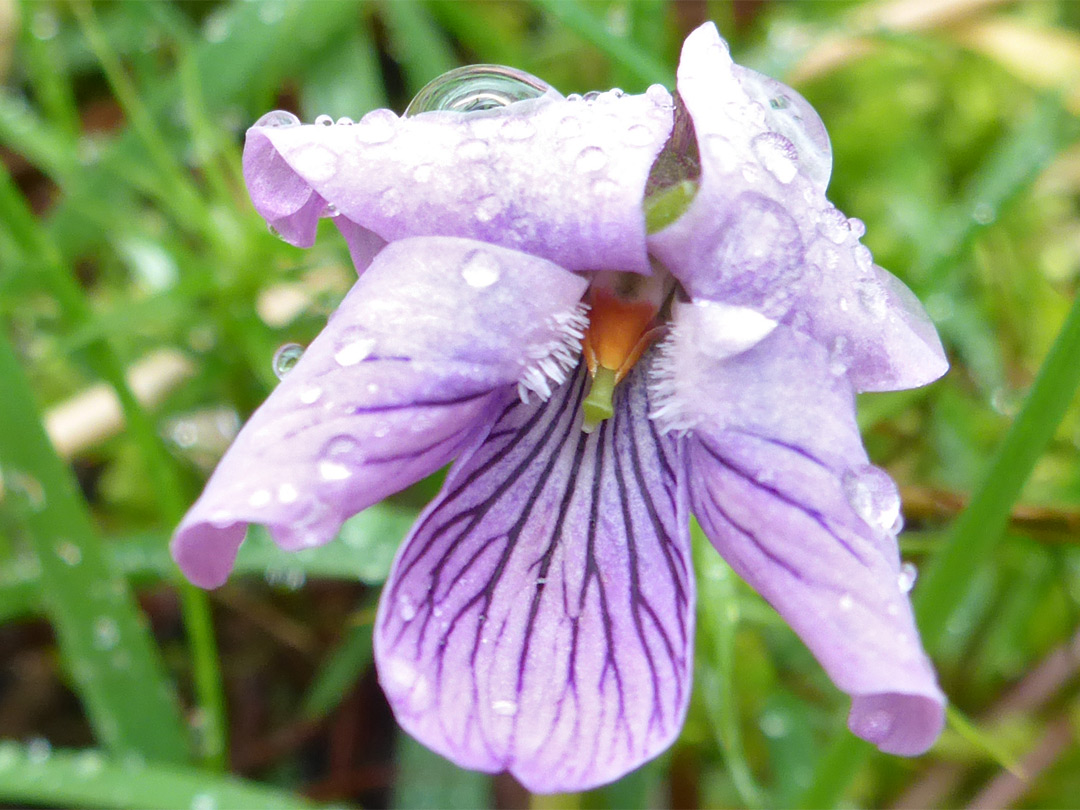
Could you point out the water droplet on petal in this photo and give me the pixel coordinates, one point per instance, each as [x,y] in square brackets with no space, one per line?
[846,602]
[333,471]
[638,135]
[345,121]
[471,150]
[517,129]
[278,118]
[260,497]
[480,269]
[285,358]
[873,496]
[876,726]
[287,493]
[778,155]
[355,351]
[376,127]
[310,394]
[324,120]
[590,159]
[905,580]
[341,446]
[488,208]
[505,708]
[476,88]
[391,202]
[406,609]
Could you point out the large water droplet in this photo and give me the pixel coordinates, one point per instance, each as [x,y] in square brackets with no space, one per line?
[476,88]
[278,118]
[873,496]
[324,120]
[480,269]
[285,358]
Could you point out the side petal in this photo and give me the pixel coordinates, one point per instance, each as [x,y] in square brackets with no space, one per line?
[781,485]
[425,349]
[558,179]
[760,233]
[539,619]
[873,324]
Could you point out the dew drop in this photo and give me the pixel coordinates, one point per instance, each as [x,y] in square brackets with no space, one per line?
[324,121]
[38,751]
[517,129]
[488,208]
[341,446]
[846,602]
[476,88]
[984,213]
[873,496]
[376,127]
[905,580]
[834,225]
[875,726]
[406,609]
[857,227]
[471,150]
[89,763]
[480,269]
[68,552]
[287,493]
[773,724]
[352,353]
[278,119]
[638,135]
[592,95]
[106,633]
[331,211]
[333,471]
[778,155]
[391,202]
[590,159]
[260,497]
[505,708]
[285,358]
[345,121]
[310,394]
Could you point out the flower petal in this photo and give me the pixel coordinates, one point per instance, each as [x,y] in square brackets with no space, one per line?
[424,350]
[781,485]
[761,235]
[873,324]
[559,179]
[539,619]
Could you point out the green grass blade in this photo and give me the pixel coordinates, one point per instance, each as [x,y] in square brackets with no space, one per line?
[340,673]
[837,770]
[636,63]
[89,778]
[422,48]
[717,626]
[946,577]
[427,780]
[102,637]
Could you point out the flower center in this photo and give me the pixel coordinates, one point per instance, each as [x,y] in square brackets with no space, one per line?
[622,323]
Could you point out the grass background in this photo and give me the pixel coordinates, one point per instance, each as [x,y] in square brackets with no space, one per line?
[142,300]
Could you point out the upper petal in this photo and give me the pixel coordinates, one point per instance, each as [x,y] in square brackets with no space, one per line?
[539,619]
[425,348]
[558,179]
[761,234]
[781,485]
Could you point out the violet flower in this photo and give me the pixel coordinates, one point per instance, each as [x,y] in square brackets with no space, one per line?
[539,618]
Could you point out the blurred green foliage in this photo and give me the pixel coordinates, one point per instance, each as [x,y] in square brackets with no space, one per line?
[126,240]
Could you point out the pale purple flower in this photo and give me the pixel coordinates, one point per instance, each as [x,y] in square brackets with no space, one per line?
[539,618]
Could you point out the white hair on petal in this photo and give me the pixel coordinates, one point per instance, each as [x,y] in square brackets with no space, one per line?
[551,361]
[671,412]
